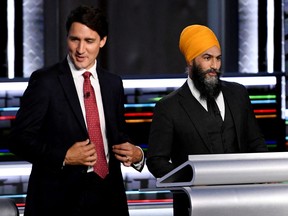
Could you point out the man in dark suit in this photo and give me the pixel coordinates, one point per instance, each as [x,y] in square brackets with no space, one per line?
[50,129]
[204,116]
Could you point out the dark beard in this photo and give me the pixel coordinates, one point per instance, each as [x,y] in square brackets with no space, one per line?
[208,87]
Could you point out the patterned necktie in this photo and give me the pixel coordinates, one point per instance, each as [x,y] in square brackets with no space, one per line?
[93,125]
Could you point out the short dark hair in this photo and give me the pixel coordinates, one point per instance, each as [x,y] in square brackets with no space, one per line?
[92,17]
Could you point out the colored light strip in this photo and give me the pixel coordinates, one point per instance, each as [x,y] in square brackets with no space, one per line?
[265,116]
[9,109]
[253,97]
[4,150]
[130,201]
[6,154]
[265,111]
[16,196]
[149,114]
[270,142]
[20,204]
[7,117]
[138,120]
[151,201]
[139,105]
[263,101]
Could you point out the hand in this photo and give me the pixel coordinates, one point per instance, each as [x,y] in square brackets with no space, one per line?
[127,153]
[81,153]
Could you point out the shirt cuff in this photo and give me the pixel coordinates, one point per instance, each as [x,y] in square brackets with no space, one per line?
[139,165]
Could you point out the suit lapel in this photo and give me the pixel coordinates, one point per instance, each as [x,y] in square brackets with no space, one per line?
[104,88]
[235,109]
[66,80]
[191,105]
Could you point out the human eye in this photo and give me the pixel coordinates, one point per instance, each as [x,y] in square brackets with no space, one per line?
[207,57]
[90,41]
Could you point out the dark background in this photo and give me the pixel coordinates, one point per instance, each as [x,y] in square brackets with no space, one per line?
[143,38]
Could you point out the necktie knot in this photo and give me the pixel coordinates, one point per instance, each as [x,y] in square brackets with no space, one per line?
[86,75]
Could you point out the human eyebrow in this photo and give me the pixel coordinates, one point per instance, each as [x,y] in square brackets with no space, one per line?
[71,37]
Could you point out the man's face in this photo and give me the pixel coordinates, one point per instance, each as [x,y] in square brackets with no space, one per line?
[205,73]
[83,45]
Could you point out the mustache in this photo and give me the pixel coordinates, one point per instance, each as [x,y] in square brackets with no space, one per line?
[219,72]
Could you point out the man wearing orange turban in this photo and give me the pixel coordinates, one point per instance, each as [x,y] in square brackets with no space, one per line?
[206,115]
[202,51]
[195,39]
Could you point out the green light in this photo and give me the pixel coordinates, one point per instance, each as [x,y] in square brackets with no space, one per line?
[262,97]
[6,154]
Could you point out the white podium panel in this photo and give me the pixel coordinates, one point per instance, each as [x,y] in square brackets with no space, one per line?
[221,169]
[232,184]
[239,200]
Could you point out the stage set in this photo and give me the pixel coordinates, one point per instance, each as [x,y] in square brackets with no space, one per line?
[150,196]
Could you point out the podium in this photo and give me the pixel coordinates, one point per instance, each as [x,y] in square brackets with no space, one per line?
[249,184]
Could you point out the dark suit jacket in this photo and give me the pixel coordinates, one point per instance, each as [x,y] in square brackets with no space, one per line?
[49,121]
[177,132]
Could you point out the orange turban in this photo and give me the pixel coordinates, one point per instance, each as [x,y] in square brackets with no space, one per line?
[196,39]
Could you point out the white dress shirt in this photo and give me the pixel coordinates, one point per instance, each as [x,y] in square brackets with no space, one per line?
[79,81]
[196,94]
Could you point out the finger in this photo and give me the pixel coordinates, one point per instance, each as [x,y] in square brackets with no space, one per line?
[122,146]
[127,161]
[90,147]
[121,158]
[83,143]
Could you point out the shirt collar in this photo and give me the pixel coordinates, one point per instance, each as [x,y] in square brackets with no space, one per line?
[193,90]
[78,72]
[196,94]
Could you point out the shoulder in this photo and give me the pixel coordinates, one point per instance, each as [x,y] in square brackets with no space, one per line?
[47,78]
[171,98]
[235,91]
[51,70]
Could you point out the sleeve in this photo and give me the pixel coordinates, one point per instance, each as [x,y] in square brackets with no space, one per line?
[160,142]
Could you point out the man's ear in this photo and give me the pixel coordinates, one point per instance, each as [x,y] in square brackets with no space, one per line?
[103,41]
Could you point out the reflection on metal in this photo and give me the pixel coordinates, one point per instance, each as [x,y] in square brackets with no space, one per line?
[239,200]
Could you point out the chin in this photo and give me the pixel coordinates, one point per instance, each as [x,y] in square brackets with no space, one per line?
[79,66]
[212,79]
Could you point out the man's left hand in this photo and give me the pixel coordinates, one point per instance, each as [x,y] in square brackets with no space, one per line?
[127,153]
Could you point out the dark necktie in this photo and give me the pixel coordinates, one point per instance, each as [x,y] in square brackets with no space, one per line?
[93,125]
[214,111]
